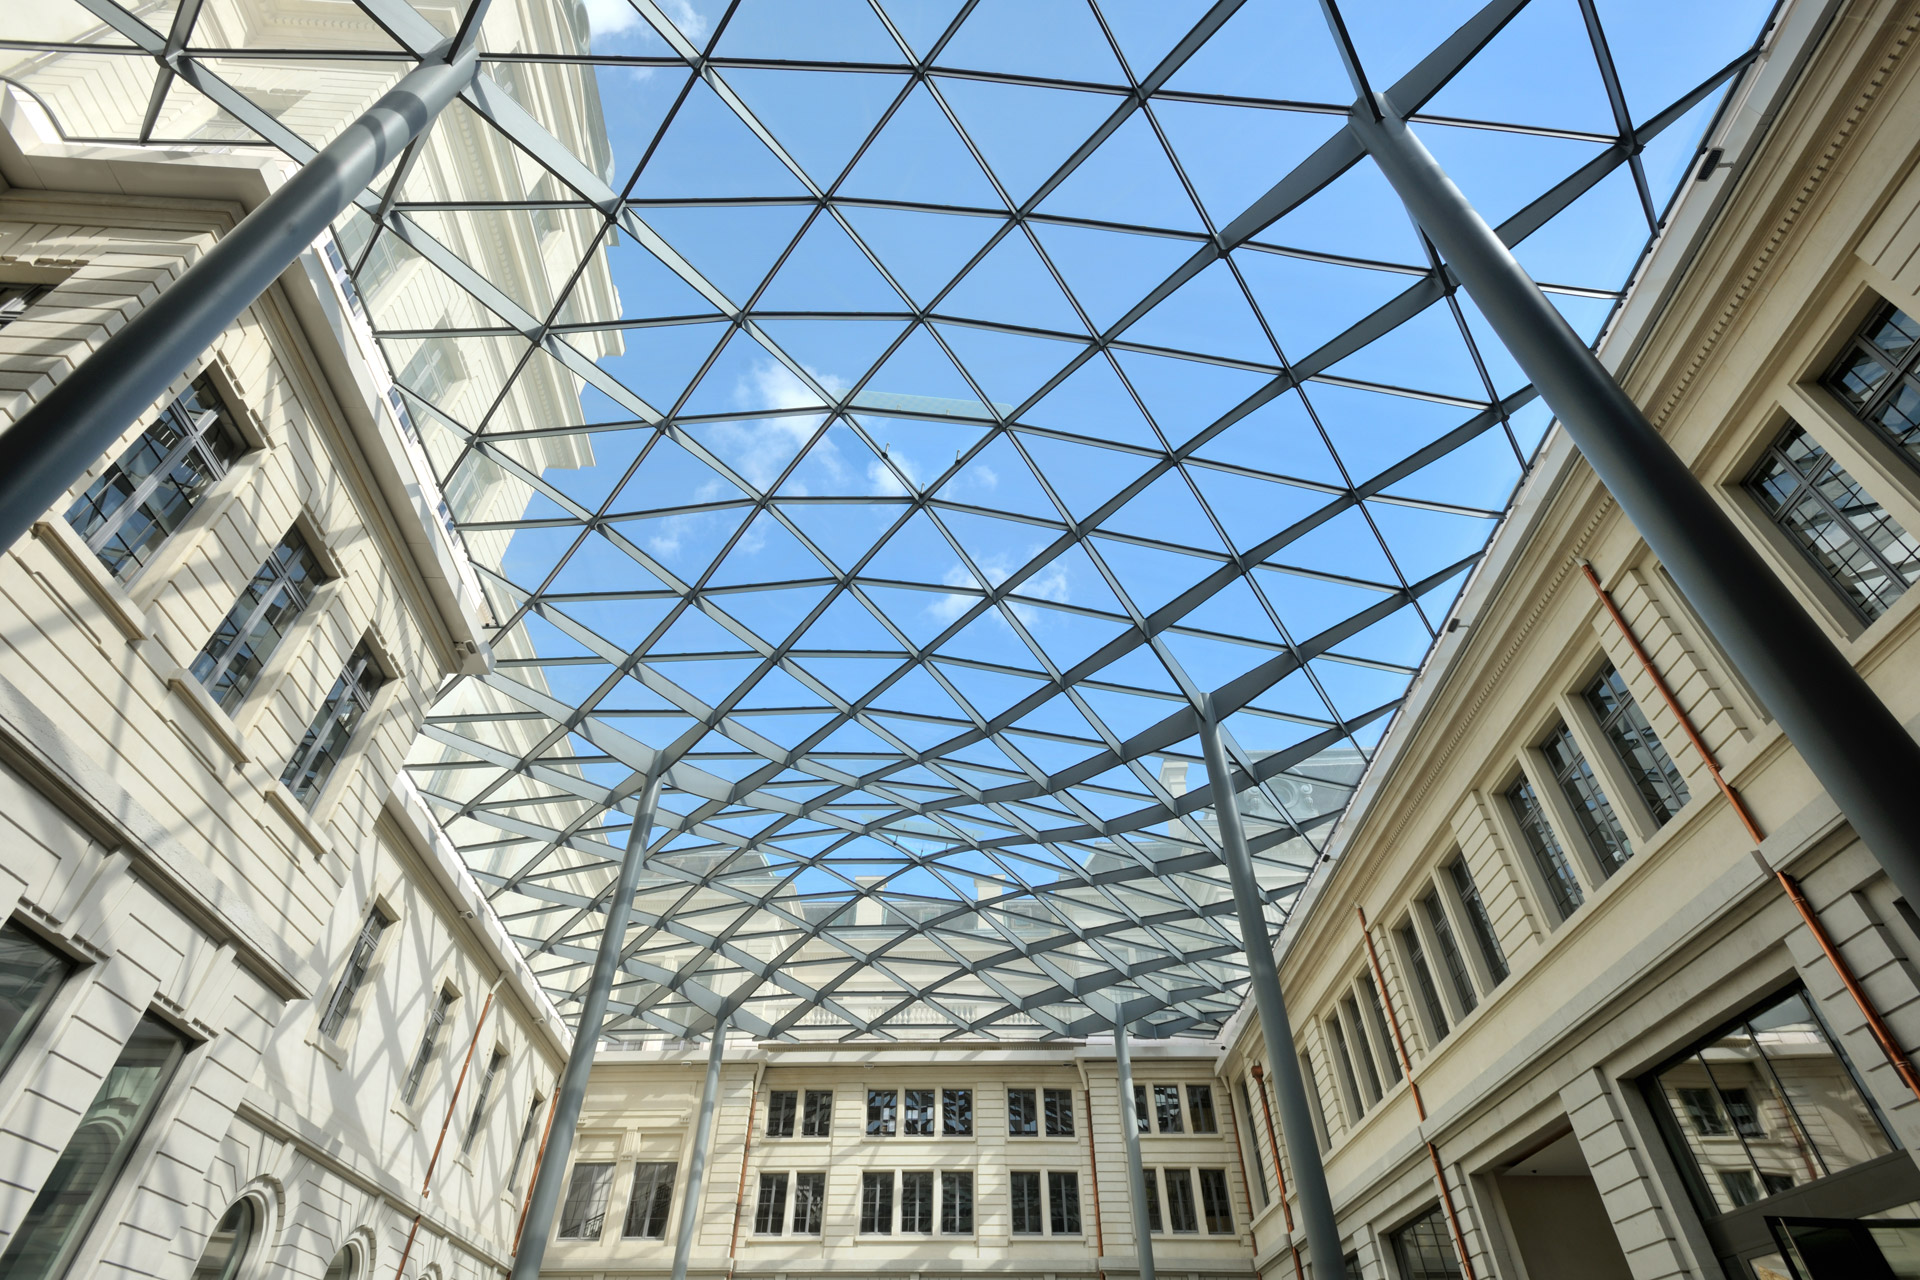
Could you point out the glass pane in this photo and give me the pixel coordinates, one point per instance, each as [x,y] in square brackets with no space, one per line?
[30,973]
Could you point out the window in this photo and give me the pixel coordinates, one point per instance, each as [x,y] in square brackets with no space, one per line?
[1763,1104]
[1479,922]
[345,1264]
[487,1080]
[1848,536]
[1430,1001]
[1154,1221]
[1063,1203]
[30,973]
[1562,886]
[1319,1107]
[1025,1189]
[919,1117]
[1591,808]
[1876,376]
[1059,1105]
[1344,1057]
[16,298]
[429,1041]
[956,1203]
[916,1203]
[781,1104]
[1425,1250]
[340,714]
[1200,1107]
[876,1203]
[1362,1051]
[1022,1114]
[1215,1202]
[1166,1108]
[358,962]
[126,514]
[1646,761]
[1253,1140]
[816,1121]
[809,1202]
[1141,1112]
[650,1202]
[227,1246]
[1382,1036]
[258,621]
[525,1140]
[880,1113]
[69,1199]
[1181,1216]
[770,1211]
[956,1113]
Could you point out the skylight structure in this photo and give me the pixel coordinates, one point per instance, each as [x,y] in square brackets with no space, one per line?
[893,421]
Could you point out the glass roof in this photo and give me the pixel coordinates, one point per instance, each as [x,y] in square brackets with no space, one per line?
[894,418]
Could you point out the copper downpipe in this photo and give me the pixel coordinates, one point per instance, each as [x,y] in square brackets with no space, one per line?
[1093,1178]
[526,1201]
[1882,1034]
[446,1123]
[740,1196]
[1279,1170]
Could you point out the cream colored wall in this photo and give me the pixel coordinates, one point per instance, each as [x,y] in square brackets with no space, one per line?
[1693,929]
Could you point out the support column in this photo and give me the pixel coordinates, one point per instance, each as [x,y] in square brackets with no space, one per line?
[1296,1121]
[547,1183]
[1856,748]
[1130,1136]
[697,1163]
[53,443]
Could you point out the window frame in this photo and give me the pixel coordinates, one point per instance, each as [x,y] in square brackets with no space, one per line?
[362,965]
[781,1120]
[657,1184]
[301,594]
[356,688]
[1587,815]
[816,1113]
[810,1191]
[428,1053]
[1657,810]
[575,1193]
[770,1204]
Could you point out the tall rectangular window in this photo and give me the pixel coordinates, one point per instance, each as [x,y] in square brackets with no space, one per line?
[1166,1108]
[1059,1108]
[1879,376]
[488,1079]
[1141,1112]
[1253,1140]
[584,1211]
[1320,1131]
[1182,1216]
[816,1120]
[876,1203]
[919,1113]
[1448,946]
[1382,1034]
[1563,887]
[429,1043]
[650,1203]
[1154,1221]
[1344,1056]
[1848,536]
[127,513]
[259,620]
[916,1202]
[1424,1249]
[30,974]
[1216,1202]
[1023,1119]
[1200,1108]
[781,1104]
[1362,1050]
[882,1109]
[1641,752]
[1591,808]
[956,1202]
[1478,920]
[96,1154]
[1024,1189]
[345,706]
[809,1202]
[770,1210]
[359,961]
[1430,1001]
[956,1112]
[1063,1203]
[525,1141]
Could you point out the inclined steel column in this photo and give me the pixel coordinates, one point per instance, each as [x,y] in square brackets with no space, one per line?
[697,1162]
[1130,1136]
[1283,1060]
[545,1199]
[1854,745]
[52,444]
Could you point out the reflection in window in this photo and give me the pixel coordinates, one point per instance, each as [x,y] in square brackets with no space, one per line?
[1850,538]
[1641,753]
[227,1247]
[1423,981]
[1200,1107]
[809,1202]
[280,591]
[1765,1105]
[1182,1215]
[1562,887]
[1059,1111]
[918,1120]
[1166,1108]
[584,1211]
[770,1210]
[1591,808]
[1215,1202]
[876,1203]
[1022,1113]
[1141,1114]
[956,1112]
[1877,376]
[1479,922]
[30,973]
[881,1108]
[346,704]
[1424,1249]
[781,1106]
[817,1120]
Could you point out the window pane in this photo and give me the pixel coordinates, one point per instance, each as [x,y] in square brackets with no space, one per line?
[1344,1057]
[957,1112]
[876,1203]
[1425,1249]
[1200,1107]
[881,1107]
[266,610]
[1478,921]
[1362,1050]
[1216,1202]
[30,973]
[817,1122]
[1141,1112]
[1025,1189]
[1063,1203]
[780,1109]
[1059,1104]
[491,1077]
[1382,1034]
[1166,1108]
[1849,537]
[956,1203]
[584,1211]
[1181,1214]
[1563,889]
[919,1117]
[651,1201]
[1876,376]
[1154,1220]
[1591,808]
[429,1041]
[227,1245]
[526,1140]
[1430,1002]
[916,1202]
[1022,1117]
[359,960]
[96,1154]
[1641,753]
[809,1200]
[770,1210]
[325,743]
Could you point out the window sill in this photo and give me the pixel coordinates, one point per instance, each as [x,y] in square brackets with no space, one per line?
[210,715]
[297,817]
[332,1050]
[87,570]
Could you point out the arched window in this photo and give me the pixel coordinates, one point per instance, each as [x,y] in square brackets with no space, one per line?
[227,1247]
[345,1264]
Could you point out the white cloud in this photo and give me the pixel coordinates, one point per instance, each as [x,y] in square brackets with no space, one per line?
[1049,584]
[611,17]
